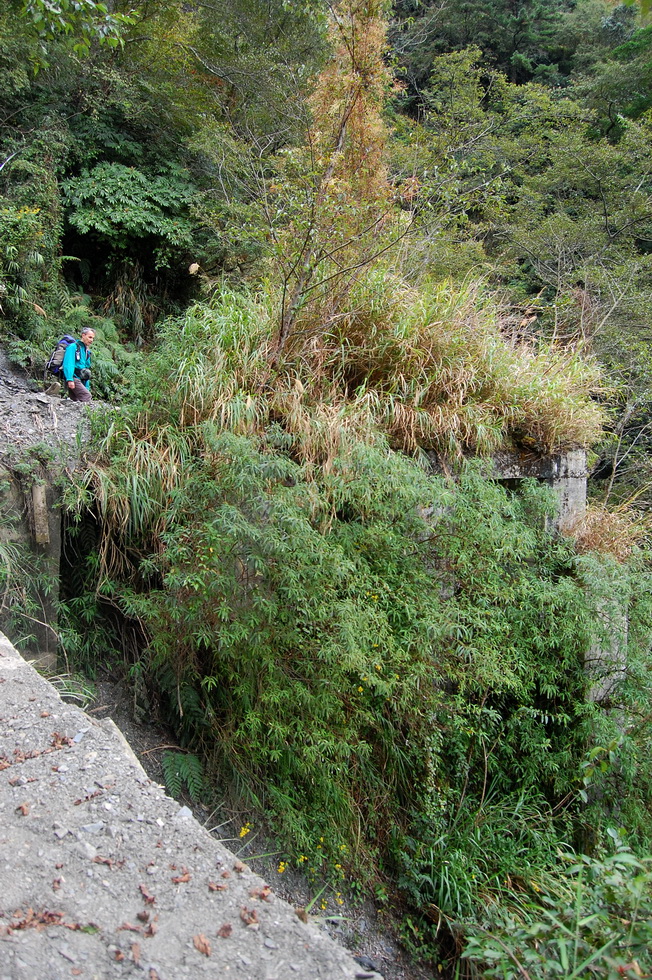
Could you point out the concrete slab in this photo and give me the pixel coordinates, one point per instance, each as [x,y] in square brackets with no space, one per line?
[104,876]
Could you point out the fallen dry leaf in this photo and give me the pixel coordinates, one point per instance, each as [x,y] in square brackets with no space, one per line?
[60,741]
[135,952]
[151,930]
[303,915]
[214,887]
[180,879]
[35,920]
[143,916]
[261,893]
[249,916]
[202,944]
[239,867]
[226,874]
[150,899]
[98,859]
[45,714]
[119,955]
[91,796]
[76,972]
[56,884]
[77,926]
[127,927]
[225,931]
[23,808]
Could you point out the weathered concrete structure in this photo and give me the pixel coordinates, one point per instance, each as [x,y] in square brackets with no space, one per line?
[34,506]
[104,876]
[41,439]
[565,473]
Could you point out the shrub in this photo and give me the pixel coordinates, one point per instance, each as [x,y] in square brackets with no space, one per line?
[597,924]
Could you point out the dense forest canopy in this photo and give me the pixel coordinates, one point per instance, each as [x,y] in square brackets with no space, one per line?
[317,240]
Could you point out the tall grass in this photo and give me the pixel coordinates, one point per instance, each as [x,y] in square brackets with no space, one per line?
[429,368]
[441,374]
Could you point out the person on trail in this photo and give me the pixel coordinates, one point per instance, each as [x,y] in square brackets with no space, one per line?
[76,366]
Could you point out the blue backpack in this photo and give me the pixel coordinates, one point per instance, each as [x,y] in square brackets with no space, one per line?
[55,360]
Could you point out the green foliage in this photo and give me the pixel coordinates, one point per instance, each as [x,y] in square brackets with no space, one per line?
[25,579]
[181,770]
[120,204]
[428,367]
[386,660]
[79,22]
[20,257]
[300,637]
[73,689]
[518,38]
[596,923]
[495,852]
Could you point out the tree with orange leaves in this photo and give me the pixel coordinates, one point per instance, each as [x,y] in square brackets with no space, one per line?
[343,220]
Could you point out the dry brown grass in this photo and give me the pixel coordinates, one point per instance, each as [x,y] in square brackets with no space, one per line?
[437,372]
[427,368]
[614,533]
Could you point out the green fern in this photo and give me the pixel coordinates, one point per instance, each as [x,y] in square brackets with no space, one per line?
[181,769]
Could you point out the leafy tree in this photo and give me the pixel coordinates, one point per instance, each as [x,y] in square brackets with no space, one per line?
[78,23]
[341,195]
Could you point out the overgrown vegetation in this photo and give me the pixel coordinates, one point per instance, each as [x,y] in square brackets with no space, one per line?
[310,266]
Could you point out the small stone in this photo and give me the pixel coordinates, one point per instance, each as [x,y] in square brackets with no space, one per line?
[60,832]
[366,963]
[184,813]
[270,944]
[93,828]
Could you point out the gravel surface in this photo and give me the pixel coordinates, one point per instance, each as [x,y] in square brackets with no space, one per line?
[29,417]
[104,876]
[368,929]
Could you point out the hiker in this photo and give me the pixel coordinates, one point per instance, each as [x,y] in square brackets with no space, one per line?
[76,366]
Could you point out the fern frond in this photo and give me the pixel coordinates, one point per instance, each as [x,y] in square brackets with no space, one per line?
[181,769]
